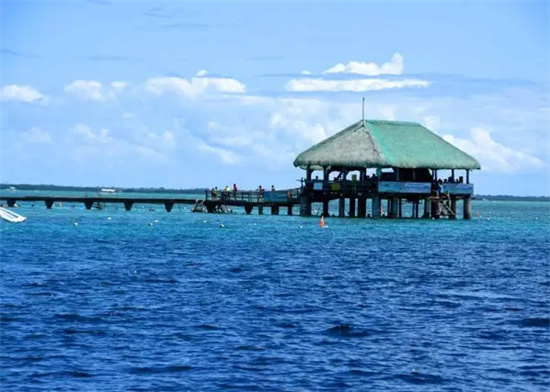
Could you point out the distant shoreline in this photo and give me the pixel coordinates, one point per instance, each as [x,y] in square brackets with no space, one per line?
[62,188]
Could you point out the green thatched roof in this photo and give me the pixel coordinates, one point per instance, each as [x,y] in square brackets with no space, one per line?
[370,144]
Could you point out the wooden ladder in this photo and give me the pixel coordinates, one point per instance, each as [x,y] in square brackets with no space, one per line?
[198,207]
[444,207]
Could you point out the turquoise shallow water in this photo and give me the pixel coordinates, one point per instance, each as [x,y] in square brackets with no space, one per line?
[274,302]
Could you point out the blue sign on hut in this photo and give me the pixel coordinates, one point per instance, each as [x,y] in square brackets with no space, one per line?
[405,158]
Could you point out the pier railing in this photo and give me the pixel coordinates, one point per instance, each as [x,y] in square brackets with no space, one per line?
[343,186]
[279,197]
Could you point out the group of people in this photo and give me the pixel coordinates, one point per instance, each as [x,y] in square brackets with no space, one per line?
[215,192]
[261,190]
[451,180]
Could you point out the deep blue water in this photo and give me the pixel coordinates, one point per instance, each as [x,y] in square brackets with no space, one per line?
[274,303]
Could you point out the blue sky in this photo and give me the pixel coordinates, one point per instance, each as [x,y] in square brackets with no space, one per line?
[182,95]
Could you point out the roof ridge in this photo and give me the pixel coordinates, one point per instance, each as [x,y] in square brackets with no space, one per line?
[392,122]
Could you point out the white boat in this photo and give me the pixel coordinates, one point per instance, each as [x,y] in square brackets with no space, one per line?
[108,190]
[11,216]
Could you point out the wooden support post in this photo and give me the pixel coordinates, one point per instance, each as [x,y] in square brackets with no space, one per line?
[168,206]
[467,214]
[11,202]
[325,208]
[211,208]
[467,176]
[400,208]
[352,207]
[435,209]
[394,208]
[88,204]
[274,210]
[305,205]
[49,204]
[342,207]
[427,208]
[248,208]
[128,205]
[453,207]
[289,210]
[361,207]
[260,210]
[376,206]
[416,209]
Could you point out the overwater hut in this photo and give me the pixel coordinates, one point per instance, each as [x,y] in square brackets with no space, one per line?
[405,159]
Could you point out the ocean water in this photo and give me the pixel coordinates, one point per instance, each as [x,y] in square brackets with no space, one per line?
[154,301]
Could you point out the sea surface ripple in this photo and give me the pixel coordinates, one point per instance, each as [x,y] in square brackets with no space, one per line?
[154,301]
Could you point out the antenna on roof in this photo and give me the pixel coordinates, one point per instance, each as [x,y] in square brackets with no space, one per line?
[363,113]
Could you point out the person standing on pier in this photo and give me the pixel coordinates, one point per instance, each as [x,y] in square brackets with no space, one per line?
[260,193]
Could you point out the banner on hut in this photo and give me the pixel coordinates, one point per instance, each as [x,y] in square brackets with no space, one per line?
[404,187]
[458,189]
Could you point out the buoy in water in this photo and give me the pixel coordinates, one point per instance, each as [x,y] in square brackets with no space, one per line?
[322,221]
[151,223]
[222,225]
[75,223]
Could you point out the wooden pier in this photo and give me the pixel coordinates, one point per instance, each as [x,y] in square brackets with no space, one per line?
[246,199]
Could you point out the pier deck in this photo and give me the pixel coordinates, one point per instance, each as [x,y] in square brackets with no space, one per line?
[246,199]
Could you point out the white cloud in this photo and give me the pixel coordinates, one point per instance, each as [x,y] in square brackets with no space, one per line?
[87,135]
[293,124]
[194,87]
[393,67]
[202,72]
[119,86]
[494,156]
[305,72]
[165,141]
[226,156]
[86,89]
[14,92]
[35,135]
[357,85]
[299,123]
[95,91]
